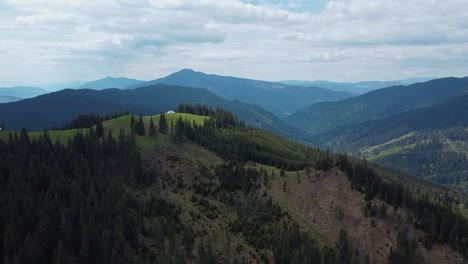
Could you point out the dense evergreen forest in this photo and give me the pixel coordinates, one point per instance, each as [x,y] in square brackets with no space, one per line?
[93,199]
[67,203]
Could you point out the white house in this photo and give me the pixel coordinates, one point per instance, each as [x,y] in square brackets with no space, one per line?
[170,112]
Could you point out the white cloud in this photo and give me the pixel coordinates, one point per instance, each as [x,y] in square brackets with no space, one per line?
[58,40]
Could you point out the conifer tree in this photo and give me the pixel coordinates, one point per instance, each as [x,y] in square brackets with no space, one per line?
[99,129]
[152,128]
[139,126]
[132,121]
[163,124]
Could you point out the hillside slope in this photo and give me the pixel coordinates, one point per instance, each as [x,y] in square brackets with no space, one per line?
[277,98]
[428,142]
[180,202]
[325,116]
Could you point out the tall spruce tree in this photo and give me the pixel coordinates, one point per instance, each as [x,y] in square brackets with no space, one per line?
[152,128]
[132,121]
[139,126]
[163,123]
[99,129]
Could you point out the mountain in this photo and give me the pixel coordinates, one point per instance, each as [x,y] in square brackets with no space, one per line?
[111,82]
[7,99]
[428,142]
[53,87]
[22,91]
[55,109]
[356,87]
[215,191]
[321,117]
[277,98]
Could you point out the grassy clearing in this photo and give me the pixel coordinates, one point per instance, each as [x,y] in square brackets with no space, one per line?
[55,135]
[115,125]
[146,142]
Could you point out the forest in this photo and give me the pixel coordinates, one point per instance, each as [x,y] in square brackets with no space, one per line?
[94,200]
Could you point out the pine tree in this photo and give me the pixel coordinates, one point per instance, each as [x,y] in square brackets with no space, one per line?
[343,248]
[139,126]
[132,121]
[201,250]
[152,128]
[99,129]
[163,124]
[188,241]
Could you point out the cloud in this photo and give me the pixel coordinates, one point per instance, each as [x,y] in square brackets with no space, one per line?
[280,39]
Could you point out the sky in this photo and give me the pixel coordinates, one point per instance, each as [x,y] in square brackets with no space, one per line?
[340,40]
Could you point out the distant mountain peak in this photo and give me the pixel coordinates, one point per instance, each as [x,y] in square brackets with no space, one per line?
[113,78]
[186,71]
[111,82]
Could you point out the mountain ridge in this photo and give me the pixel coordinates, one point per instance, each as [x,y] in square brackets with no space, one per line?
[277,98]
[111,82]
[22,91]
[360,87]
[428,142]
[320,117]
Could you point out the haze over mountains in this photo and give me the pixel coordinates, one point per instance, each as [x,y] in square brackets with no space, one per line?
[277,98]
[21,91]
[111,82]
[356,87]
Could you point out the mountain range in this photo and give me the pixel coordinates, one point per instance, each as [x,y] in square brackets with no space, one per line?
[387,126]
[419,129]
[321,117]
[277,98]
[111,82]
[19,92]
[356,87]
[7,99]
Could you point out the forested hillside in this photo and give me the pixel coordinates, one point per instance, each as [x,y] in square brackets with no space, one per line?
[428,142]
[202,187]
[322,117]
